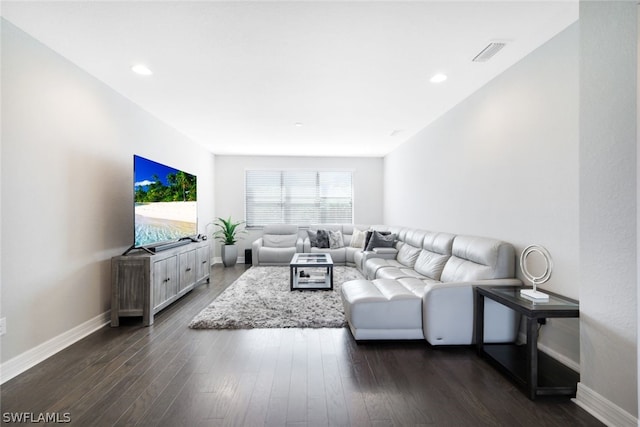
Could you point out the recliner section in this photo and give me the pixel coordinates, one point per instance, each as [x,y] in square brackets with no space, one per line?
[277,245]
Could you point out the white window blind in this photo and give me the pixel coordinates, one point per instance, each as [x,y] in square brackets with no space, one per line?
[298,197]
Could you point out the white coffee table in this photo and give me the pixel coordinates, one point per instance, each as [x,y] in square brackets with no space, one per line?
[311,272]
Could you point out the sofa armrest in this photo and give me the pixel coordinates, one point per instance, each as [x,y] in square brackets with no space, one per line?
[484,283]
[300,245]
[448,313]
[306,245]
[388,253]
[367,255]
[258,243]
[384,253]
[255,251]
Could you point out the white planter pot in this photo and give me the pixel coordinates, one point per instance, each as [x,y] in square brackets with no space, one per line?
[229,255]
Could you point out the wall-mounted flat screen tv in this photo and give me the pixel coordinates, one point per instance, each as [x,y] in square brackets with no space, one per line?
[166,203]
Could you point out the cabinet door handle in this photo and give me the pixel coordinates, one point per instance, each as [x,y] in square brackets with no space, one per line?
[204,262]
[188,269]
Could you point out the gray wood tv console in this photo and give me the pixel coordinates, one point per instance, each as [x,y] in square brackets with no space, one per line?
[142,284]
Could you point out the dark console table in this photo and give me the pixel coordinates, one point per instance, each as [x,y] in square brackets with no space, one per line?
[533,370]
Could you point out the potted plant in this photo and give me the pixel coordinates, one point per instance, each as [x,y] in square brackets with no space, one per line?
[227,233]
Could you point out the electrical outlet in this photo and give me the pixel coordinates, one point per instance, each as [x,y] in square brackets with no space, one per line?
[3,326]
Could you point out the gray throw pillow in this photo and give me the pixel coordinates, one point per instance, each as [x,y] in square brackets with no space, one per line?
[313,238]
[379,240]
[367,237]
[323,239]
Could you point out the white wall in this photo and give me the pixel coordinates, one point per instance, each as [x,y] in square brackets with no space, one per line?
[229,194]
[504,164]
[67,155]
[546,153]
[608,204]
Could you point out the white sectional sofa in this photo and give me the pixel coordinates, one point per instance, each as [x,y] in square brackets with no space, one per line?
[424,288]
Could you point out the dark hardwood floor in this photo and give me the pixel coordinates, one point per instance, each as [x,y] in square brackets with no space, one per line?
[170,375]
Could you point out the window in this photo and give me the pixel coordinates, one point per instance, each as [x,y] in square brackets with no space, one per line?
[298,197]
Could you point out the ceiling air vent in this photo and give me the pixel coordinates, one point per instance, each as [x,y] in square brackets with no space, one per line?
[488,52]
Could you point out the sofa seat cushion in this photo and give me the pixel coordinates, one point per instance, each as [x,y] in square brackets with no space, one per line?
[416,285]
[397,273]
[371,266]
[276,255]
[382,309]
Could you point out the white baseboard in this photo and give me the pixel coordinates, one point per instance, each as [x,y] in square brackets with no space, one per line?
[218,260]
[559,357]
[14,367]
[606,411]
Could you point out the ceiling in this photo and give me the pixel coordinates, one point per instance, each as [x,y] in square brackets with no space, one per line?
[293,78]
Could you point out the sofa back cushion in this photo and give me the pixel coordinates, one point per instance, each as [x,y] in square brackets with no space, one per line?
[430,264]
[407,255]
[280,236]
[280,229]
[279,240]
[328,227]
[436,251]
[409,245]
[413,237]
[479,258]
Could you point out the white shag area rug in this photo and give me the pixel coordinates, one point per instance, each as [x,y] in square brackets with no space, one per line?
[261,298]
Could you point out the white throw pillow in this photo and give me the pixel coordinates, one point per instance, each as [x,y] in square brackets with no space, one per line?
[335,240]
[357,238]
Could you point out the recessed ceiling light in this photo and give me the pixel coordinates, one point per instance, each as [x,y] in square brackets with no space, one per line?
[141,69]
[438,78]
[298,124]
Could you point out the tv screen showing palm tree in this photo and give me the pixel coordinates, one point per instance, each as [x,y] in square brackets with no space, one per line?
[165,203]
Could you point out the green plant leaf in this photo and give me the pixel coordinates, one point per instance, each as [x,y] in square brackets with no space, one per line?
[228,231]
